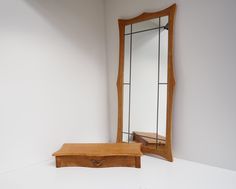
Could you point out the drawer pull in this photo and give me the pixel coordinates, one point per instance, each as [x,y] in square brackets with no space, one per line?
[97,163]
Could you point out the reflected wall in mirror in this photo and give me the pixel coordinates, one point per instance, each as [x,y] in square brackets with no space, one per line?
[146,81]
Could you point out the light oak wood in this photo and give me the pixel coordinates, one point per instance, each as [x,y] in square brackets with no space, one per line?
[166,150]
[147,138]
[99,155]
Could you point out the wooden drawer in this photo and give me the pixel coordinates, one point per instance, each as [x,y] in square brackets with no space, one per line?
[99,155]
[96,162]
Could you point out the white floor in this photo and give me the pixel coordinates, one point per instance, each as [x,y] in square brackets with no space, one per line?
[155,173]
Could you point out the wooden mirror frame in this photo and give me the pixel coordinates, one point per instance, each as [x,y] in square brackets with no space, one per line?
[164,151]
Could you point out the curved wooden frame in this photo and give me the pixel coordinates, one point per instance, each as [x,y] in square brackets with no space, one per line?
[165,150]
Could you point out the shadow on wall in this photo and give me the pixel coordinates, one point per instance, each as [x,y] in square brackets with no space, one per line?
[68,19]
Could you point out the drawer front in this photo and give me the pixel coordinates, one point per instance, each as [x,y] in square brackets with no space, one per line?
[96,162]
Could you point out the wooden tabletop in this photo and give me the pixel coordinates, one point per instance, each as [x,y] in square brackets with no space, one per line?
[100,149]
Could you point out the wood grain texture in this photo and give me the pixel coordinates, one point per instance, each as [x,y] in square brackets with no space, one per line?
[165,151]
[99,149]
[99,155]
[96,162]
[120,82]
[148,138]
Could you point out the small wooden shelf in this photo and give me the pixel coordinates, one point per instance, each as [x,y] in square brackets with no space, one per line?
[148,138]
[99,155]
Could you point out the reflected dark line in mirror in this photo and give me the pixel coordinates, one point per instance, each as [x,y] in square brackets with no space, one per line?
[127,133]
[158,79]
[130,79]
[157,28]
[158,84]
[166,27]
[131,134]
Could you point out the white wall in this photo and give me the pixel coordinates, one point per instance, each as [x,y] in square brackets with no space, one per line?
[204,122]
[53,78]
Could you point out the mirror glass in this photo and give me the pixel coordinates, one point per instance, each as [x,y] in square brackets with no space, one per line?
[145,82]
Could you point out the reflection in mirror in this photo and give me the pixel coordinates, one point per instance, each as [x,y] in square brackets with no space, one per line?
[127,29]
[145,25]
[162,110]
[164,21]
[145,82]
[125,137]
[127,59]
[126,116]
[164,50]
[144,75]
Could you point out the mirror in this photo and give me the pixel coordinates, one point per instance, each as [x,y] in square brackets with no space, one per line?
[146,81]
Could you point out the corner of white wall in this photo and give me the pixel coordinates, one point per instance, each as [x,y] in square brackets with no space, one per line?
[53,78]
